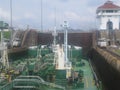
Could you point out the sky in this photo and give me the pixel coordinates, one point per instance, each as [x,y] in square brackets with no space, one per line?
[80,14]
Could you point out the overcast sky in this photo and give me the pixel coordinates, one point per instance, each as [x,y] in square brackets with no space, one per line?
[81,14]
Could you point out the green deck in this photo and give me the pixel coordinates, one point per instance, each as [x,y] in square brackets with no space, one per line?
[88,79]
[45,69]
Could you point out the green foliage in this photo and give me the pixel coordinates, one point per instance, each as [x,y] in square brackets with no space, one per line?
[6,34]
[3,25]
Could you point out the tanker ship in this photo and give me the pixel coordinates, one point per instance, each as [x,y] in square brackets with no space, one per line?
[49,67]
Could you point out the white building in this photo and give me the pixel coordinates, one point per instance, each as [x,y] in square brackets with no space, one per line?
[108,16]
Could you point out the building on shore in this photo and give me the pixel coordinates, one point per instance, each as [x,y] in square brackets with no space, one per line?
[108,16]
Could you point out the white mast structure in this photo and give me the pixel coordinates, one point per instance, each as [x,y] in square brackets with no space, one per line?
[54,41]
[54,45]
[65,26]
[61,57]
[67,63]
[54,31]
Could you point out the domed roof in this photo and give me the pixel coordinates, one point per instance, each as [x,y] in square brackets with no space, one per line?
[108,5]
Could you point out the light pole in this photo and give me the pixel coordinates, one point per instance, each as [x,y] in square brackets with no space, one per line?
[11,20]
[41,16]
[11,13]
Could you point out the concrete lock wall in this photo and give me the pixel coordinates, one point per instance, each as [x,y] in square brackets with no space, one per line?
[83,39]
[107,67]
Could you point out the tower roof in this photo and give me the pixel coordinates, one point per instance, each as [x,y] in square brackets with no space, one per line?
[108,5]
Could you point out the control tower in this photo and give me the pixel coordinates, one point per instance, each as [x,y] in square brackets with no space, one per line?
[108,16]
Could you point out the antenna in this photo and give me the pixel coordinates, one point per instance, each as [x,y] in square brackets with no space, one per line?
[55,16]
[10,28]
[54,33]
[54,39]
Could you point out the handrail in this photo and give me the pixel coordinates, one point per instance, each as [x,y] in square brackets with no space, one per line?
[30,77]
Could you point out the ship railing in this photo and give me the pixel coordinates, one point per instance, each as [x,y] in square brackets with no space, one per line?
[30,77]
[30,87]
[34,79]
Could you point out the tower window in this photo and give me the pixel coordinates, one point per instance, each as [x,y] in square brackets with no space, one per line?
[115,11]
[109,11]
[119,25]
[109,16]
[103,11]
[110,25]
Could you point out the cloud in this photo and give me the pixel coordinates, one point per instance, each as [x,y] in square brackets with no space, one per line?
[28,15]
[78,12]
[64,0]
[117,2]
[4,14]
[72,16]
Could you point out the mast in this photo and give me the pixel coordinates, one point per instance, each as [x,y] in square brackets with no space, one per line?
[54,40]
[68,64]
[55,33]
